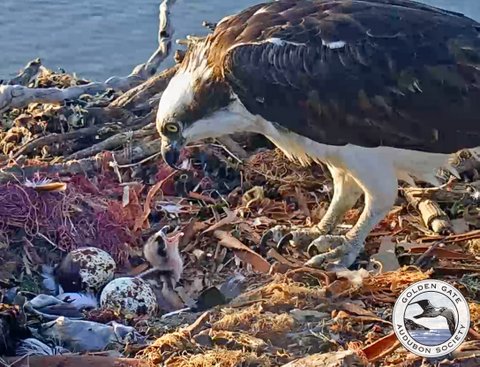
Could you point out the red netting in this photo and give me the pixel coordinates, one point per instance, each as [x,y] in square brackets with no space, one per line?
[86,214]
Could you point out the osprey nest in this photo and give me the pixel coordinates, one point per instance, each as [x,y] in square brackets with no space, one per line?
[81,169]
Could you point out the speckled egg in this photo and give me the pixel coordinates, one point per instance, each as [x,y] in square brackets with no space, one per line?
[87,268]
[130,296]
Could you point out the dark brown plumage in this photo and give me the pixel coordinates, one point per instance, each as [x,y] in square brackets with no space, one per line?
[397,73]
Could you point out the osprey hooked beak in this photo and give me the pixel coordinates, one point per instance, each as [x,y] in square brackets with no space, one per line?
[171,153]
[172,143]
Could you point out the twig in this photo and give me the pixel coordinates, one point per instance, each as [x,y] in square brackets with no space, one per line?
[197,324]
[232,148]
[453,238]
[138,163]
[140,130]
[72,167]
[190,40]
[137,97]
[427,253]
[14,362]
[419,191]
[110,143]
[48,240]
[56,138]
[82,133]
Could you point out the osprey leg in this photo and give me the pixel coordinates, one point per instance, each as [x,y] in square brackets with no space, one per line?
[380,192]
[345,194]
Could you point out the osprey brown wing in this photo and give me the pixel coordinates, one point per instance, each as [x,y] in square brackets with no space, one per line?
[364,72]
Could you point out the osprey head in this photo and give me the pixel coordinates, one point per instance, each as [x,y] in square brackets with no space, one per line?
[189,107]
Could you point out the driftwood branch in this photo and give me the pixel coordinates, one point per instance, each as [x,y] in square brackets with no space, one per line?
[28,74]
[142,129]
[18,96]
[137,98]
[144,71]
[51,139]
[104,129]
[87,166]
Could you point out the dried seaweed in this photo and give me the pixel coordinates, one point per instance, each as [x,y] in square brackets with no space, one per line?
[221,358]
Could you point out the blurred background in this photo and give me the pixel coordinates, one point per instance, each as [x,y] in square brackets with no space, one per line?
[102,38]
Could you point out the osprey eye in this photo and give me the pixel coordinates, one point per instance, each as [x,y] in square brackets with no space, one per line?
[171,128]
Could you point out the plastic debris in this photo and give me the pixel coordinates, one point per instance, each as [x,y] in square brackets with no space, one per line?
[87,336]
[34,347]
[51,307]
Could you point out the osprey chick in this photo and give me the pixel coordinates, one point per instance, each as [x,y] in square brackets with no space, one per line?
[378,90]
[162,252]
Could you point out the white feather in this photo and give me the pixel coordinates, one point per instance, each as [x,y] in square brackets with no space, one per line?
[279,42]
[180,90]
[334,45]
[274,40]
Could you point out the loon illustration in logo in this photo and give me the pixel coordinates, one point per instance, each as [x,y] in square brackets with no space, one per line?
[431,318]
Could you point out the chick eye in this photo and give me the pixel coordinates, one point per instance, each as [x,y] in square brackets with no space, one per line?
[171,128]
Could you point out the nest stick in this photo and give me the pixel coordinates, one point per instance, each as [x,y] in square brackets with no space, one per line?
[57,138]
[85,166]
[140,95]
[115,141]
[433,216]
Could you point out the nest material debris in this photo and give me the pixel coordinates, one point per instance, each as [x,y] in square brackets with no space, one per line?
[282,293]
[256,322]
[221,357]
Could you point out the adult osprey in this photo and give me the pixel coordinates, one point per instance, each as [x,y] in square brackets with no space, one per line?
[378,90]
